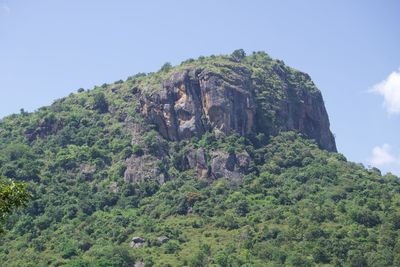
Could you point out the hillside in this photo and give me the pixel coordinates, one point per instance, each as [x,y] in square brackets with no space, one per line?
[219,161]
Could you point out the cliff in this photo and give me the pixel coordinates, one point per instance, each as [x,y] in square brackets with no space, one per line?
[255,97]
[247,97]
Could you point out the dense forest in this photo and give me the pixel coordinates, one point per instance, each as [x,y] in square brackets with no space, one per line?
[109,186]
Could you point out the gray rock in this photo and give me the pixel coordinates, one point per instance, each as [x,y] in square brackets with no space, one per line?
[197,160]
[193,101]
[139,264]
[114,187]
[163,239]
[137,239]
[136,245]
[137,242]
[230,166]
[143,168]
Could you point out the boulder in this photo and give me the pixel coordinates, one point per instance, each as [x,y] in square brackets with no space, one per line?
[231,166]
[138,239]
[137,242]
[162,239]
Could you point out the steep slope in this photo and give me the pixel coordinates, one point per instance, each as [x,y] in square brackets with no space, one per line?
[220,161]
[254,95]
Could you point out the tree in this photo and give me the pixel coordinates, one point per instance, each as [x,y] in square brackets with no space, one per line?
[238,55]
[166,67]
[12,195]
[100,103]
[357,259]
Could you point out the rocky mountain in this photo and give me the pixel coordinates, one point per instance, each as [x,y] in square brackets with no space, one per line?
[220,161]
[228,96]
[231,96]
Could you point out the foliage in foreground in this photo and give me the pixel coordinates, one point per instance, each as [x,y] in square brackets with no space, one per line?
[12,195]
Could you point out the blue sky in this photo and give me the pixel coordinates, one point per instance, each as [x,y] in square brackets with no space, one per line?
[351,49]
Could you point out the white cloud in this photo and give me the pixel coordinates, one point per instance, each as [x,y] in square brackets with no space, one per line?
[382,155]
[390,90]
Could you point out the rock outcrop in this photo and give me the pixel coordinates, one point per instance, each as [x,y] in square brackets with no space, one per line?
[137,242]
[222,97]
[195,100]
[231,166]
[196,159]
[140,169]
[220,164]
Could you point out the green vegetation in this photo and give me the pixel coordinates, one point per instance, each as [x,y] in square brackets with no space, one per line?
[12,195]
[297,205]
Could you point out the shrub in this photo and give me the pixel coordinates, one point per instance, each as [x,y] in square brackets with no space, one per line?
[171,247]
[365,217]
[238,55]
[100,102]
[137,150]
[166,67]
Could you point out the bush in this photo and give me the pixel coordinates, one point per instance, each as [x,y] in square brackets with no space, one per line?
[242,208]
[228,221]
[365,217]
[171,247]
[321,255]
[155,144]
[298,260]
[100,102]
[117,256]
[238,55]
[137,150]
[166,67]
[356,259]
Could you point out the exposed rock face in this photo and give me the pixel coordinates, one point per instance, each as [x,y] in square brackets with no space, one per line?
[197,160]
[219,164]
[193,101]
[231,166]
[144,168]
[224,99]
[305,112]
